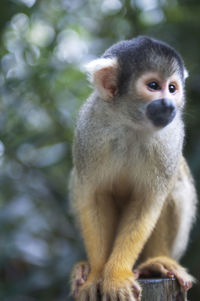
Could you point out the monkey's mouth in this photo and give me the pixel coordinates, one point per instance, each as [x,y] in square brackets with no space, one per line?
[161,112]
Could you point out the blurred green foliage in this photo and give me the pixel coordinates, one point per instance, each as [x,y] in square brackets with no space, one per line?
[44,45]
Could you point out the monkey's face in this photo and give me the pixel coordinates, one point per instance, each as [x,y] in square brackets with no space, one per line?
[158,98]
[142,80]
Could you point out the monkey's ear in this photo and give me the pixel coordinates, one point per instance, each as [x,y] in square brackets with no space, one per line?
[103,74]
[186,73]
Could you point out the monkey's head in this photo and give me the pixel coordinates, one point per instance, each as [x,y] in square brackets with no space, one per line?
[142,78]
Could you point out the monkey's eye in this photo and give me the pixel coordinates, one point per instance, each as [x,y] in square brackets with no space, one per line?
[172,88]
[153,85]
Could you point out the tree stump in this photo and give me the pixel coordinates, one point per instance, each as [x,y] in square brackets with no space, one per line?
[159,289]
[162,289]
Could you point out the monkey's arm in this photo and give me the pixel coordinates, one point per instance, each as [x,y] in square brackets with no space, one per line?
[136,225]
[98,219]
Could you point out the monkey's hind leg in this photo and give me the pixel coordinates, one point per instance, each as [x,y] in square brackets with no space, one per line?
[170,236]
[165,266]
[79,276]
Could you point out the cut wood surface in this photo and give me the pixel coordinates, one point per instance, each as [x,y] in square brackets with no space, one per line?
[165,289]
[159,289]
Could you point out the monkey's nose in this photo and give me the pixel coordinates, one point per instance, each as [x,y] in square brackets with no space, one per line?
[161,112]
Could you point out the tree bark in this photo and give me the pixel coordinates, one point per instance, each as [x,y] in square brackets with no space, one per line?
[165,289]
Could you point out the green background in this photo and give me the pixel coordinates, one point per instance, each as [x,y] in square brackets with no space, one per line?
[43,48]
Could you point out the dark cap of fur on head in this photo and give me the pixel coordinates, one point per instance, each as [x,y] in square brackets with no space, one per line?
[144,54]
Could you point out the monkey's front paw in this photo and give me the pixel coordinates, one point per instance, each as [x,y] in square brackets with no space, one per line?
[79,276]
[90,291]
[166,267]
[121,289]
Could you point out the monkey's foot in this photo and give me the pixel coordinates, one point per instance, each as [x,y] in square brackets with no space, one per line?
[79,276]
[122,289]
[166,267]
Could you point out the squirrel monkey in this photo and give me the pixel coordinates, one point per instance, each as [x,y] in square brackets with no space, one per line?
[131,188]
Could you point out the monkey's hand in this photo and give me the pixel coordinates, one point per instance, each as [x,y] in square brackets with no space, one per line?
[121,286]
[166,267]
[79,276]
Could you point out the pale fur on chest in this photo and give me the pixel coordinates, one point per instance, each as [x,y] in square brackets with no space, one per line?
[135,159]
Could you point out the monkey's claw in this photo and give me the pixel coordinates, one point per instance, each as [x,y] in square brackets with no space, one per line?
[166,267]
[79,276]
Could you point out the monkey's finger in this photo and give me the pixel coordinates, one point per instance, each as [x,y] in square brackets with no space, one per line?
[80,281]
[185,285]
[84,296]
[136,273]
[113,296]
[122,296]
[170,275]
[75,293]
[136,289]
[93,295]
[75,287]
[105,297]
[131,296]
[126,295]
[85,271]
[164,271]
[78,272]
